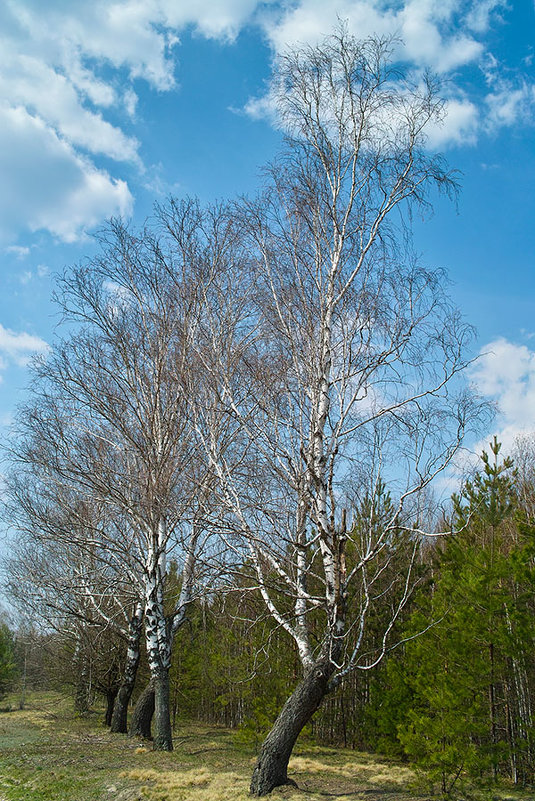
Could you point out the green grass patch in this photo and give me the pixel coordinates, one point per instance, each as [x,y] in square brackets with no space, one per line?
[47,753]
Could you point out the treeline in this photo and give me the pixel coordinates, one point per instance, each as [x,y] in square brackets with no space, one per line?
[456,696]
[223,470]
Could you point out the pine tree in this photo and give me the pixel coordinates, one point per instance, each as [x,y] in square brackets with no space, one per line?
[469,712]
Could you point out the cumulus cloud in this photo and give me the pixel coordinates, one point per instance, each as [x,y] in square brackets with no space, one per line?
[428,28]
[216,19]
[52,97]
[68,74]
[441,35]
[136,36]
[63,68]
[19,347]
[46,184]
[460,125]
[505,374]
[425,29]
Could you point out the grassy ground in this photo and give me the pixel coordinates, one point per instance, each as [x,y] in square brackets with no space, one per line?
[49,754]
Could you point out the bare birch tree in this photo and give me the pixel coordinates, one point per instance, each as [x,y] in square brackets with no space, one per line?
[56,577]
[69,562]
[109,423]
[345,363]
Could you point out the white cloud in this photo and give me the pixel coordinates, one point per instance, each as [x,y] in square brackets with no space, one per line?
[510,104]
[19,251]
[479,15]
[28,275]
[64,67]
[134,35]
[130,100]
[45,184]
[309,20]
[505,373]
[52,97]
[425,26]
[428,41]
[19,347]
[122,34]
[443,35]
[216,19]
[264,107]
[459,126]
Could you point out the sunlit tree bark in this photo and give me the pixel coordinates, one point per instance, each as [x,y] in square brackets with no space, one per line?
[349,353]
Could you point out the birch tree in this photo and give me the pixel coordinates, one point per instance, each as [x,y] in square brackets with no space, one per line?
[58,579]
[349,357]
[69,563]
[109,422]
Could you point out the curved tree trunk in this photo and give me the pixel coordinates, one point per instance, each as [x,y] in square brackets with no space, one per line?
[120,710]
[119,718]
[140,725]
[272,766]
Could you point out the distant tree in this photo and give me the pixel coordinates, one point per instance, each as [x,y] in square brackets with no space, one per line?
[8,669]
[108,427]
[63,574]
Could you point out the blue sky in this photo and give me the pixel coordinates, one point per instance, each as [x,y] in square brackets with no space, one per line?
[108,106]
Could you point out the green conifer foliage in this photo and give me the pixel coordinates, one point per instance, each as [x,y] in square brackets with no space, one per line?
[469,686]
[231,666]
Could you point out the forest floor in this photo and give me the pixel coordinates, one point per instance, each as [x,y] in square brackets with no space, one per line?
[49,754]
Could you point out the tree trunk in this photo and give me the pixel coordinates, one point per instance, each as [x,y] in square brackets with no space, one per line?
[111,695]
[119,717]
[159,639]
[272,765]
[82,695]
[163,738]
[120,710]
[140,725]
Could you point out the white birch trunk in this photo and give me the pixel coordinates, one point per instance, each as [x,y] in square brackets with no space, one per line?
[158,639]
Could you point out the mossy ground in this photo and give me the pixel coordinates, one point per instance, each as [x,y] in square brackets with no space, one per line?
[47,753]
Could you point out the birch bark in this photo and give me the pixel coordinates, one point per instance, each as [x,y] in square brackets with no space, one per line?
[352,353]
[120,709]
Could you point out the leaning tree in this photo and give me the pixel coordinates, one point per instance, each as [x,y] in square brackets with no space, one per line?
[341,360]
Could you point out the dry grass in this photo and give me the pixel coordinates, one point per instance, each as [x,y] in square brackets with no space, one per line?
[199,784]
[377,772]
[49,754]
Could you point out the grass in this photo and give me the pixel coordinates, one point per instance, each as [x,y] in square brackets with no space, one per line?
[49,754]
